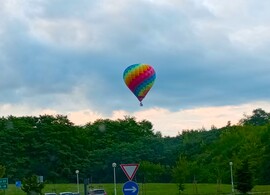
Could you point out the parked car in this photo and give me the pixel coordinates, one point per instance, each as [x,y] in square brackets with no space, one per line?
[97,192]
[50,193]
[65,193]
[75,193]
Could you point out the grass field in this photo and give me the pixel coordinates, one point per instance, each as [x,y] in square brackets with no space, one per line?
[144,189]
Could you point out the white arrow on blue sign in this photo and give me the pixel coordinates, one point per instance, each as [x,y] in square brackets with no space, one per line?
[18,184]
[130,188]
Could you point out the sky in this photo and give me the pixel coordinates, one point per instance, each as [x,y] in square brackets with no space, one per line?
[211,59]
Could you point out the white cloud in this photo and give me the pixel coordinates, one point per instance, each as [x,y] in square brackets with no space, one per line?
[20,10]
[23,110]
[66,33]
[254,39]
[171,123]
[224,9]
[82,117]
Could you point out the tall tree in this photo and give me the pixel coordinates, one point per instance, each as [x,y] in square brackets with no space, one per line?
[179,173]
[2,170]
[244,178]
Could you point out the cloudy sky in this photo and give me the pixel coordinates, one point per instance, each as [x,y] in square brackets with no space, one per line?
[211,59]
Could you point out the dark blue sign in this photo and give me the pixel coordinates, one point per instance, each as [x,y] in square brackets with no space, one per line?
[18,184]
[130,188]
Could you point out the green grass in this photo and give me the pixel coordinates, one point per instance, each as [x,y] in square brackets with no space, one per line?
[144,189]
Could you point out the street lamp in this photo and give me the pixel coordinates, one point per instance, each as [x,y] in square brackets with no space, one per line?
[114,177]
[232,176]
[78,187]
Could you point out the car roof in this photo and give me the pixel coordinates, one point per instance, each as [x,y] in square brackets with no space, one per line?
[96,190]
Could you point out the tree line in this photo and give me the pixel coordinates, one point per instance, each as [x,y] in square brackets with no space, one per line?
[53,147]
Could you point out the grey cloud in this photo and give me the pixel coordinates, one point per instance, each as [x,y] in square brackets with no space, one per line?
[194,67]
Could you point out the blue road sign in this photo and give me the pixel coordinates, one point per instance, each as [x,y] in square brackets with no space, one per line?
[18,184]
[130,188]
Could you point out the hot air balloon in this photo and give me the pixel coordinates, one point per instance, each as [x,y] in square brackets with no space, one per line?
[139,78]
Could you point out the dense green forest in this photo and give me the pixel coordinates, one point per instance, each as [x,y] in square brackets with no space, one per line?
[53,147]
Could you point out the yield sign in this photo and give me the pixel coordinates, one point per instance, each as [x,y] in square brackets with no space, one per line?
[130,170]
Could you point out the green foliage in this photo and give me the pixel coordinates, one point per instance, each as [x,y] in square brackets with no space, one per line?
[179,172]
[150,172]
[258,118]
[244,178]
[54,147]
[31,185]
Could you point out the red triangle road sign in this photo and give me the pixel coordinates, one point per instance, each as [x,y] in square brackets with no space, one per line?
[130,170]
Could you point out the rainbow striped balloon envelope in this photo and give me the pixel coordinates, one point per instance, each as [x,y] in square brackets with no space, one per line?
[139,78]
